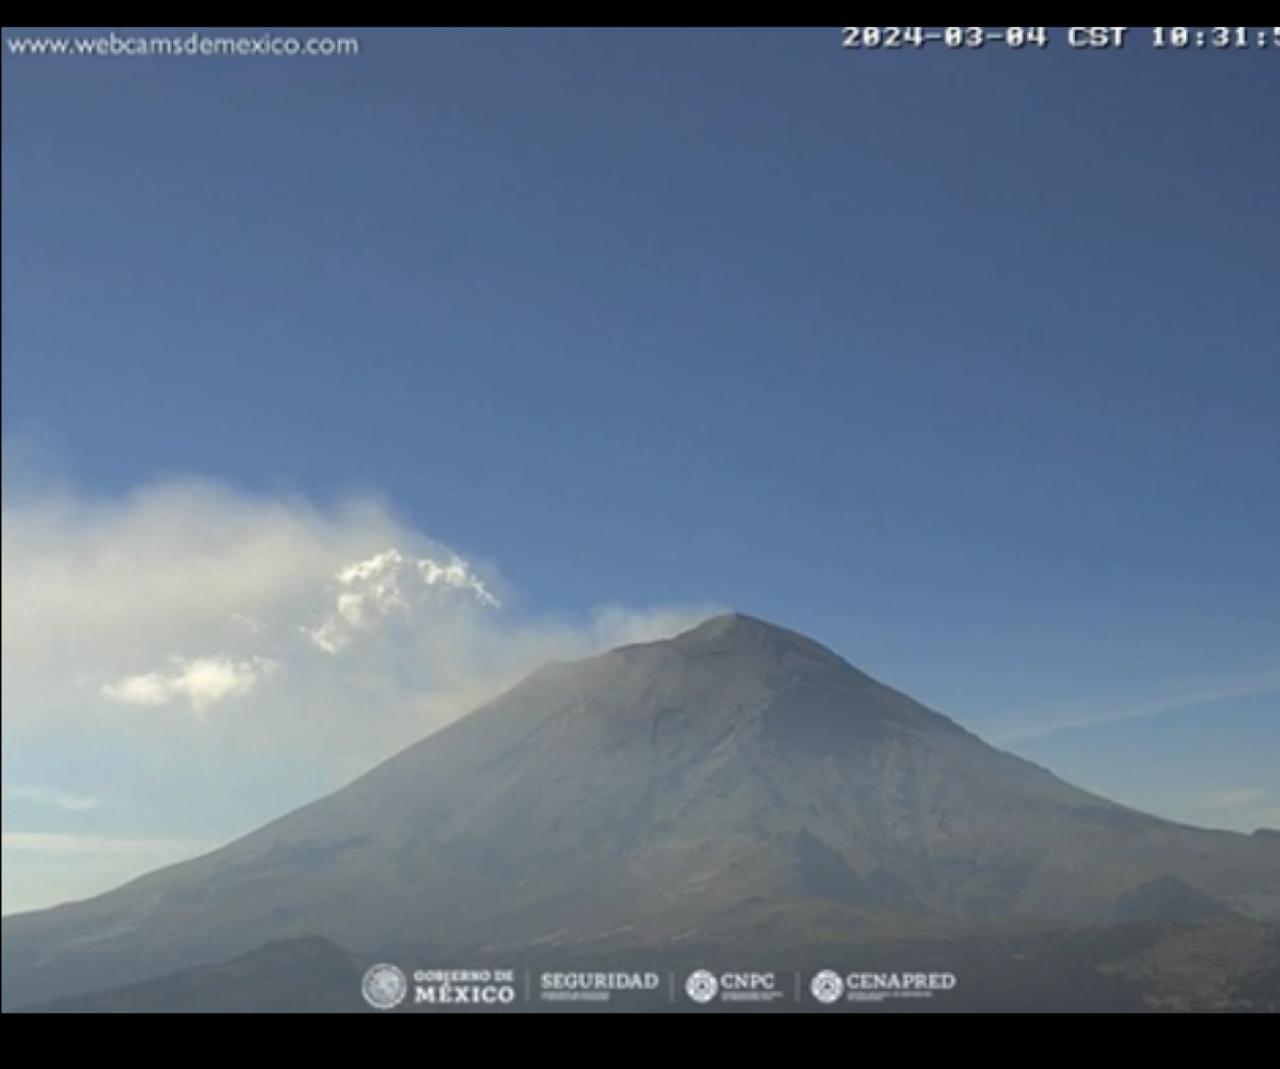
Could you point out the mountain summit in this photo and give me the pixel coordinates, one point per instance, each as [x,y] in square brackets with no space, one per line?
[739,777]
[738,632]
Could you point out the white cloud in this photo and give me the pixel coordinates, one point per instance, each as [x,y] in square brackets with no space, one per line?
[51,798]
[391,584]
[201,682]
[455,573]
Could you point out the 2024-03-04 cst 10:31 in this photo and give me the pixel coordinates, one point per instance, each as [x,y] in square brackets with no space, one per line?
[1176,38]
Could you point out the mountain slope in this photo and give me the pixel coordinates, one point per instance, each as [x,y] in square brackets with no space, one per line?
[306,974]
[735,772]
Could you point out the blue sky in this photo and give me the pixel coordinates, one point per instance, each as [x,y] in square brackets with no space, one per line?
[965,364]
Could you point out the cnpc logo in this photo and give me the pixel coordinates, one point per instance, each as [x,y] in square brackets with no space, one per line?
[704,986]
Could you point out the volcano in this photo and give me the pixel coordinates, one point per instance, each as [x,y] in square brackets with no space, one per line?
[739,781]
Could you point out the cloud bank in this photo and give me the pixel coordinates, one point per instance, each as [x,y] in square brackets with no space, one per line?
[202,659]
[191,596]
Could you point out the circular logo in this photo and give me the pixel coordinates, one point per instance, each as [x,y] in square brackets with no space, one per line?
[701,986]
[384,987]
[827,987]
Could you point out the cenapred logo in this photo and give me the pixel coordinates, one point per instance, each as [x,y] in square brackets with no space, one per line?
[384,987]
[830,987]
[827,987]
[702,986]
